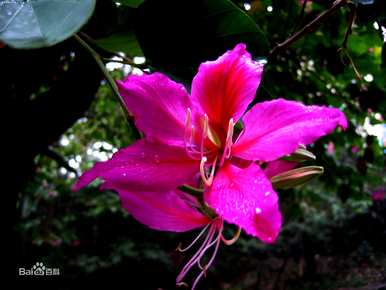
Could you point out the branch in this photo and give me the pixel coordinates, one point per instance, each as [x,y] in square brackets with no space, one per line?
[107,75]
[62,162]
[111,82]
[309,27]
[352,17]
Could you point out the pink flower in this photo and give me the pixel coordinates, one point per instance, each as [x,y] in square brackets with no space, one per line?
[379,194]
[354,149]
[330,148]
[192,140]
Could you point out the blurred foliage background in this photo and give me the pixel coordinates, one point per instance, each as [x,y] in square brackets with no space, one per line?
[65,118]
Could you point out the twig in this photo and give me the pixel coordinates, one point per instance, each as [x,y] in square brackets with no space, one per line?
[128,59]
[309,27]
[300,16]
[107,75]
[62,162]
[351,62]
[303,9]
[112,84]
[353,13]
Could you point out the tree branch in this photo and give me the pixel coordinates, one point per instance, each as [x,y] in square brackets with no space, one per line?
[309,27]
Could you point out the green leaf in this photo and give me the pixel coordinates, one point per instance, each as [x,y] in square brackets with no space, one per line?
[176,36]
[296,177]
[130,3]
[121,42]
[40,23]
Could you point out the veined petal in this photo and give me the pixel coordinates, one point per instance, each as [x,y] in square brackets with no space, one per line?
[278,166]
[276,128]
[144,166]
[224,88]
[159,106]
[160,210]
[245,197]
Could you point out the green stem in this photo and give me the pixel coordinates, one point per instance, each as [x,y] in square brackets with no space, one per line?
[196,192]
[106,74]
[199,195]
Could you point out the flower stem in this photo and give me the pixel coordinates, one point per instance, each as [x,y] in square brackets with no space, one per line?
[106,74]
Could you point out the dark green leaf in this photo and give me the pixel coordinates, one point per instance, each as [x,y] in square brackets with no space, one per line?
[121,42]
[177,36]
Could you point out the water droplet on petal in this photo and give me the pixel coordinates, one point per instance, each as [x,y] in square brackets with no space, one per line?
[156,159]
[267,193]
[124,174]
[255,181]
[258,210]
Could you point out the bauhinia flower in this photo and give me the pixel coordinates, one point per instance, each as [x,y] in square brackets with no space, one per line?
[209,141]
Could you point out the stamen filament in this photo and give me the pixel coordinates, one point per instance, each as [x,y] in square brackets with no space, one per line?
[207,181]
[233,239]
[193,260]
[194,241]
[228,142]
[204,134]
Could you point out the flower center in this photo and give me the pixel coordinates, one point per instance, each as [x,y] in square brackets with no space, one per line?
[198,151]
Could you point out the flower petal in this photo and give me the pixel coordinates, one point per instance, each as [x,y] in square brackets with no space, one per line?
[144,166]
[224,88]
[245,197]
[159,106]
[278,166]
[276,128]
[163,211]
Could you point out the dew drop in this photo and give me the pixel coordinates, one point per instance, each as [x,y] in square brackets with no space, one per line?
[258,210]
[124,174]
[255,181]
[156,159]
[267,193]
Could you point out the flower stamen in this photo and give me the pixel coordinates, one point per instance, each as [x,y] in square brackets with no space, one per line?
[194,241]
[204,134]
[215,226]
[228,142]
[188,137]
[207,180]
[233,239]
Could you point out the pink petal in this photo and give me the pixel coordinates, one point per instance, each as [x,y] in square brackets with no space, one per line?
[245,197]
[278,166]
[224,88]
[277,128]
[164,210]
[159,106]
[144,166]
